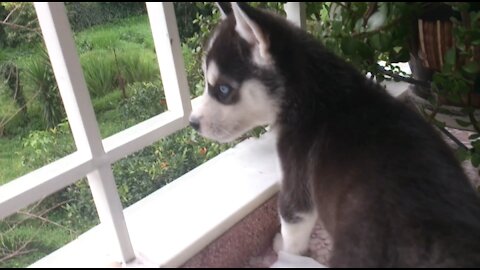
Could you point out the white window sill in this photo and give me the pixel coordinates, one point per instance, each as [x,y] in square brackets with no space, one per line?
[177,221]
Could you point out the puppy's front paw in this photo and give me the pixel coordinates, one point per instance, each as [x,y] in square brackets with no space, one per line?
[278,242]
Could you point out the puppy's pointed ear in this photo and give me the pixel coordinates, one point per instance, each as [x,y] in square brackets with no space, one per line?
[225,9]
[249,30]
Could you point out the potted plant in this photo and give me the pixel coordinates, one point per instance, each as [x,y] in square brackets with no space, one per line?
[439,40]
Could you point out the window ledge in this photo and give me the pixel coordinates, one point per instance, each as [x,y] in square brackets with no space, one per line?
[174,223]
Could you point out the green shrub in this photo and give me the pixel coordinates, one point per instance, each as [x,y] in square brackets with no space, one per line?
[146,101]
[136,175]
[11,76]
[11,117]
[80,211]
[106,70]
[45,146]
[107,102]
[99,70]
[157,165]
[83,15]
[23,14]
[3,34]
[40,74]
[138,66]
[105,40]
[139,36]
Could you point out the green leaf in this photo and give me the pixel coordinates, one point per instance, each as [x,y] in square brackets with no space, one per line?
[364,51]
[450,57]
[476,145]
[462,154]
[337,26]
[349,45]
[397,49]
[376,42]
[475,160]
[462,123]
[471,67]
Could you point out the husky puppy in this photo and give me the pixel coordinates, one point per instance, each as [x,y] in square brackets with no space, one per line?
[386,186]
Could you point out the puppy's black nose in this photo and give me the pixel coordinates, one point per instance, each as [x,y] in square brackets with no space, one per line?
[194,123]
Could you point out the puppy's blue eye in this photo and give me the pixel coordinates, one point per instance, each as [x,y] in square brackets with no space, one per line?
[224,89]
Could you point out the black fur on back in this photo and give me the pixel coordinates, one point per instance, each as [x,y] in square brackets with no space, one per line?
[387,187]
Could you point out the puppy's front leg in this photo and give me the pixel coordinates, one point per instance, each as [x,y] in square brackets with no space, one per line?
[298,214]
[295,234]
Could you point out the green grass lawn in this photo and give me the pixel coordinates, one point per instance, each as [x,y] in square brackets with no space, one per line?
[132,32]
[11,159]
[41,238]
